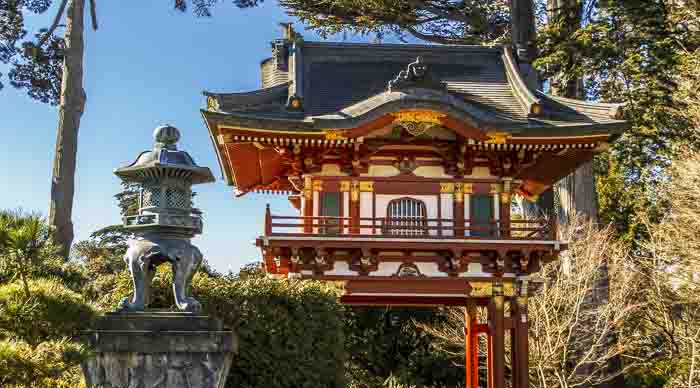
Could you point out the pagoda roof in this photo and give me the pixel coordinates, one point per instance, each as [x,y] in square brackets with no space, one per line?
[337,93]
[343,84]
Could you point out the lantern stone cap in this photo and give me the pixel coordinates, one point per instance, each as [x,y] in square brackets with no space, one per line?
[165,160]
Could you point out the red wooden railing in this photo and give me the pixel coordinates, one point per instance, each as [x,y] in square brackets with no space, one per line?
[405,227]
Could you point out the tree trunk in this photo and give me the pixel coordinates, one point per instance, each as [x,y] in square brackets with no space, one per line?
[69,113]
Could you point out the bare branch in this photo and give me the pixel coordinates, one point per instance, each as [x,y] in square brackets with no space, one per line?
[55,24]
[93,14]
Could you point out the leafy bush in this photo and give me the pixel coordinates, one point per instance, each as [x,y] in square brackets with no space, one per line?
[52,364]
[291,333]
[50,313]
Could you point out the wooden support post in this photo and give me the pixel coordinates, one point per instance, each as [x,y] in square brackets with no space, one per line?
[489,360]
[458,209]
[268,220]
[471,343]
[355,207]
[308,210]
[504,207]
[498,336]
[521,325]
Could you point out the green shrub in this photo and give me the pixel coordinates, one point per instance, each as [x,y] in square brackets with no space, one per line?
[50,313]
[291,333]
[53,364]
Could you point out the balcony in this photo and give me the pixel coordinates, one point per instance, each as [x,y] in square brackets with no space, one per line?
[542,229]
[407,233]
[342,248]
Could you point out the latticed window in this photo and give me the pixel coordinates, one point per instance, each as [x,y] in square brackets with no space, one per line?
[178,199]
[406,217]
[150,196]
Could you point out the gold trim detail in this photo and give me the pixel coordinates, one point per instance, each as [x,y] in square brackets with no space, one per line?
[447,187]
[335,134]
[521,300]
[344,186]
[367,187]
[508,289]
[498,288]
[355,191]
[496,188]
[308,192]
[318,186]
[480,289]
[212,104]
[418,116]
[468,188]
[459,192]
[498,137]
[505,198]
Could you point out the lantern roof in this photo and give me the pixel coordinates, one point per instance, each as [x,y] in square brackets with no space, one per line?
[165,160]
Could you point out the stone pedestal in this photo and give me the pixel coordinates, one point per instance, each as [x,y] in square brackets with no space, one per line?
[159,350]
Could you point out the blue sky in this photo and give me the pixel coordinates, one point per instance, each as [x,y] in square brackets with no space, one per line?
[146,65]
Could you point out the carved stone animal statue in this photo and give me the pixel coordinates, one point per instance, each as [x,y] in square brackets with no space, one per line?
[145,254]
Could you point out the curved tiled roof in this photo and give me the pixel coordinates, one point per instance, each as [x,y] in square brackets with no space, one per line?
[340,83]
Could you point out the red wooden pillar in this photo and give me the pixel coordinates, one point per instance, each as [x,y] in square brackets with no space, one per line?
[471,343]
[522,358]
[489,360]
[504,215]
[354,207]
[497,331]
[308,210]
[458,209]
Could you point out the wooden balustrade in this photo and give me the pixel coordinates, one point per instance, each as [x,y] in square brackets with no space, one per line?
[408,227]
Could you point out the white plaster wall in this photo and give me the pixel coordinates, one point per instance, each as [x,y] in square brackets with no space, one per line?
[301,212]
[386,268]
[380,171]
[474,270]
[430,269]
[366,212]
[481,172]
[330,169]
[431,172]
[496,207]
[316,207]
[447,208]
[467,208]
[346,211]
[340,268]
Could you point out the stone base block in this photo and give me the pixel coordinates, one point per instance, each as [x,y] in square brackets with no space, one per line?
[159,350]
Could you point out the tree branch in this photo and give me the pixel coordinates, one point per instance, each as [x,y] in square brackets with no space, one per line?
[54,25]
[93,14]
[431,38]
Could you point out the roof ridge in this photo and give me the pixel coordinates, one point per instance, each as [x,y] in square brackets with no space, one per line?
[405,46]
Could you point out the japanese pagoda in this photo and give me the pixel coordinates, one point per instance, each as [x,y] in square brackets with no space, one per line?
[403,161]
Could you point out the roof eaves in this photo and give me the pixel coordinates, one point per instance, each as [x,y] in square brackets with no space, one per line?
[226,175]
[592,109]
[531,104]
[254,97]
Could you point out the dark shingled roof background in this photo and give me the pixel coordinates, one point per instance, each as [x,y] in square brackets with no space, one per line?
[346,74]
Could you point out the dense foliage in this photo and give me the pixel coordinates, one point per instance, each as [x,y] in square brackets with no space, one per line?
[389,345]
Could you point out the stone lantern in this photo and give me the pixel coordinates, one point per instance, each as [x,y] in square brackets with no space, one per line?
[166,220]
[135,347]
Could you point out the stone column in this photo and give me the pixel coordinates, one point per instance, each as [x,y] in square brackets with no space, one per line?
[159,349]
